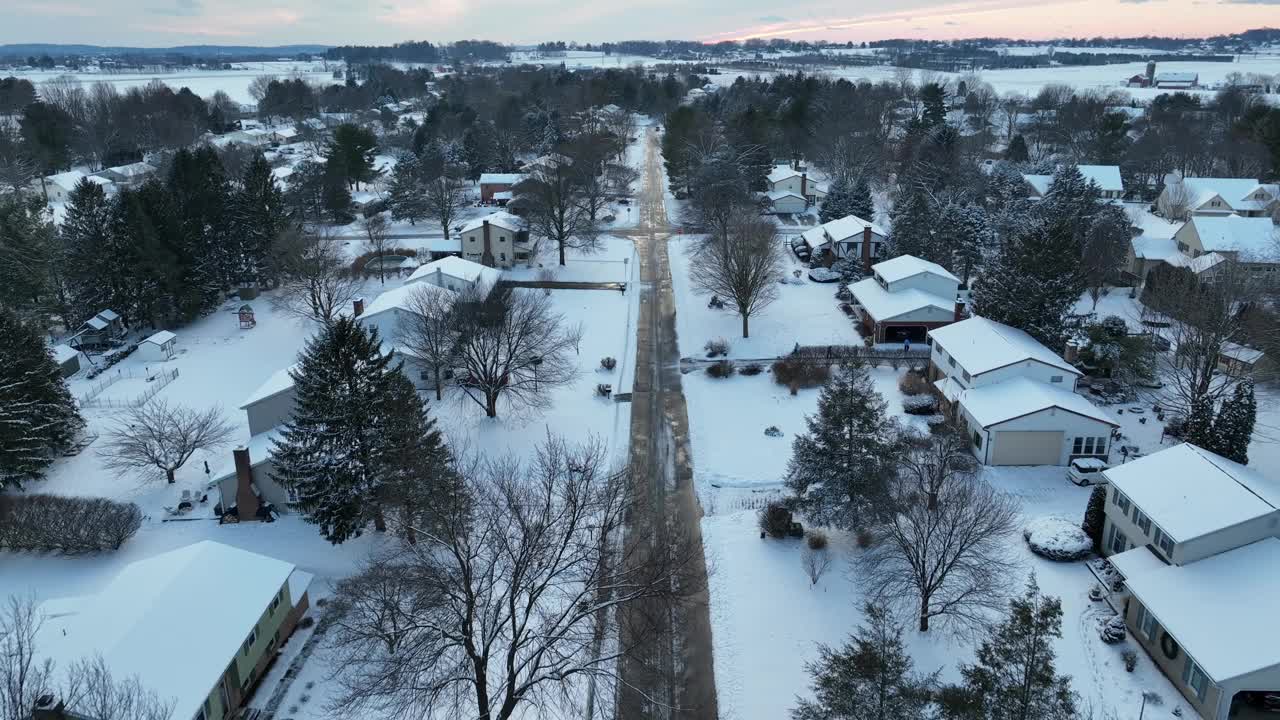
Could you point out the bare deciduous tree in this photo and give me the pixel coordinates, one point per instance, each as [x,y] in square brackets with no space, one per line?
[816,562]
[1175,201]
[86,687]
[941,551]
[742,265]
[552,196]
[443,199]
[512,345]
[161,436]
[501,610]
[258,87]
[317,283]
[376,238]
[429,331]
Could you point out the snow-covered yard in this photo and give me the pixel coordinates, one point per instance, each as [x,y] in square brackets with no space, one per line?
[806,313]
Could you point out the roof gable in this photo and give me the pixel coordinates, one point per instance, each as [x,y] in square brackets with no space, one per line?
[983,345]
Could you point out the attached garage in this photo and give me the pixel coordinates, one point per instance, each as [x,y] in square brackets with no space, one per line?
[1026,447]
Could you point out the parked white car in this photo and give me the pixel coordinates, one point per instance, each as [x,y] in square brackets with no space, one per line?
[1086,471]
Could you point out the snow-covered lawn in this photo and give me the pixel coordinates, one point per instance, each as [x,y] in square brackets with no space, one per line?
[613,261]
[806,313]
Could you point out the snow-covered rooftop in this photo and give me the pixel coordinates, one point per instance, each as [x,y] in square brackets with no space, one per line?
[400,298]
[500,178]
[279,381]
[949,388]
[1107,178]
[777,195]
[1253,238]
[1221,609]
[132,170]
[1242,353]
[160,338]
[1190,492]
[883,305]
[457,267]
[69,179]
[1136,560]
[500,218]
[849,226]
[261,447]
[1234,190]
[63,353]
[983,345]
[1015,398]
[174,620]
[782,172]
[905,266]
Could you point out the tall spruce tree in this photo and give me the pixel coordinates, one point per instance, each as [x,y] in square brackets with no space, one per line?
[914,230]
[1095,516]
[869,678]
[1198,428]
[840,467]
[258,216]
[860,201]
[200,195]
[1034,283]
[418,485]
[1015,677]
[1233,427]
[96,268]
[38,418]
[333,452]
[837,204]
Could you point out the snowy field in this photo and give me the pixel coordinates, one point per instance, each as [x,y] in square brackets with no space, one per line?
[234,82]
[806,313]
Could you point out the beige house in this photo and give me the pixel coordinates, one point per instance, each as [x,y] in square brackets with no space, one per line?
[905,298]
[1247,197]
[1253,242]
[199,626]
[1194,536]
[495,240]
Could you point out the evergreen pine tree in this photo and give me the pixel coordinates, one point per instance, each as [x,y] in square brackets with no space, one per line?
[1198,429]
[38,418]
[92,278]
[914,230]
[354,148]
[1015,677]
[200,197]
[934,99]
[840,467]
[861,203]
[333,452]
[258,216]
[972,235]
[408,197]
[1033,284]
[1017,151]
[869,678]
[1095,516]
[1233,428]
[837,204]
[417,484]
[27,254]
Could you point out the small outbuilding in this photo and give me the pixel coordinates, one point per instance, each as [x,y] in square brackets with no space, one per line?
[67,358]
[159,347]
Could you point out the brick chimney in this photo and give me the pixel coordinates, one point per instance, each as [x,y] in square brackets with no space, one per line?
[357,307]
[486,258]
[866,249]
[247,501]
[959,314]
[804,186]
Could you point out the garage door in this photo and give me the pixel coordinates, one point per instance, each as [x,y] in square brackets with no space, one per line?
[1027,448]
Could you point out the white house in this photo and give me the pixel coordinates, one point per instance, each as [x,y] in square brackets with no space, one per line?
[457,274]
[1248,197]
[67,359]
[129,175]
[785,178]
[199,626]
[1106,177]
[1194,536]
[159,347]
[1015,397]
[905,298]
[784,202]
[849,236]
[496,240]
[59,186]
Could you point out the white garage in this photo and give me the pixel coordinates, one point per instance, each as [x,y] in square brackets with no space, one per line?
[786,203]
[1025,422]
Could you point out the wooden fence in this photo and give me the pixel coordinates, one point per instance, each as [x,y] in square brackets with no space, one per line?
[159,380]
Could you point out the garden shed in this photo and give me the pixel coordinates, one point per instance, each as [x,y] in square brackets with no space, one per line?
[159,347]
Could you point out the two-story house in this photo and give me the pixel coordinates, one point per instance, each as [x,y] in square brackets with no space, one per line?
[1253,243]
[1194,536]
[1247,197]
[495,240]
[457,274]
[1015,397]
[199,626]
[847,237]
[786,179]
[905,298]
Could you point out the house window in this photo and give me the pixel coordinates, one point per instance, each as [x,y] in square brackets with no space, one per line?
[977,439]
[1121,501]
[222,695]
[1077,446]
[1147,623]
[951,362]
[1144,523]
[249,641]
[1119,543]
[275,601]
[502,238]
[1195,679]
[1164,542]
[291,496]
[1055,379]
[966,375]
[1088,446]
[502,257]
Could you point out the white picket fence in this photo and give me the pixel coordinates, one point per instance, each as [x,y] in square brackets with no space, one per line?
[93,398]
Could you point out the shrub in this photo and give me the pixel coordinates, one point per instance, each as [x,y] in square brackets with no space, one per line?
[772,431]
[720,369]
[604,389]
[1130,660]
[306,622]
[751,369]
[775,520]
[816,540]
[1097,593]
[718,347]
[1094,516]
[69,525]
[1057,539]
[863,538]
[920,405]
[796,373]
[912,383]
[1112,630]
[608,363]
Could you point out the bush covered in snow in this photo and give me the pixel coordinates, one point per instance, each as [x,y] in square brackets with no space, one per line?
[719,347]
[1103,568]
[772,431]
[720,369]
[775,520]
[920,404]
[823,275]
[1130,660]
[71,525]
[608,363]
[913,383]
[1112,630]
[816,540]
[794,372]
[1057,539]
[751,369]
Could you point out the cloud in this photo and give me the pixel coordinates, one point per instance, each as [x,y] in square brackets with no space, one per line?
[771,19]
[180,8]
